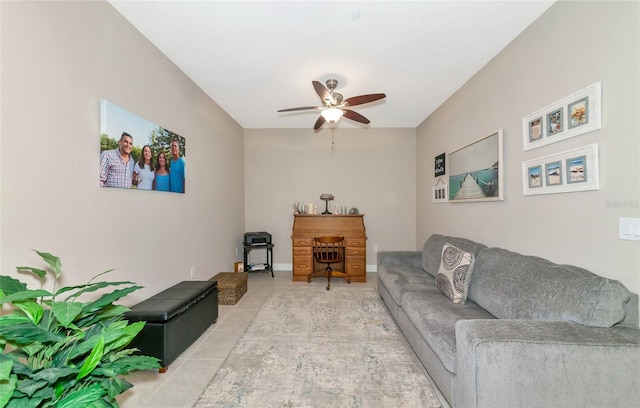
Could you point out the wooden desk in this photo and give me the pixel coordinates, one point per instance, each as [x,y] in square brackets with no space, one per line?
[349,226]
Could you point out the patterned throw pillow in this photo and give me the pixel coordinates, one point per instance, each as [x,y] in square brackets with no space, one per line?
[454,273]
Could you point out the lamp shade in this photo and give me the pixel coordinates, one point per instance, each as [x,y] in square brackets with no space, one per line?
[332,114]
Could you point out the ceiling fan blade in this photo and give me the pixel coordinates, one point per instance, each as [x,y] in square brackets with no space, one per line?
[349,114]
[300,108]
[323,92]
[319,122]
[359,100]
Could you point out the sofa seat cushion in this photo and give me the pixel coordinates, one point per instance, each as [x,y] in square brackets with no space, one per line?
[432,250]
[514,286]
[435,317]
[401,279]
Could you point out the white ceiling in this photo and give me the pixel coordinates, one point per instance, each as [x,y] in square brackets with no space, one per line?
[255,57]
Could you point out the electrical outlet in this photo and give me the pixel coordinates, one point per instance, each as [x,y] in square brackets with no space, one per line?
[375,248]
[236,251]
[193,272]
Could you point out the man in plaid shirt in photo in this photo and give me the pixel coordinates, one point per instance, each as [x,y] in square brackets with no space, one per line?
[116,166]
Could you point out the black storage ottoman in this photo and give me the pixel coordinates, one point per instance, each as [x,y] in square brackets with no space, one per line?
[175,318]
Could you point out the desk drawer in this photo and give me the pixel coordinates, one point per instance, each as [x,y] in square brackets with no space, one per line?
[301,251]
[355,242]
[302,265]
[355,252]
[300,241]
[356,267]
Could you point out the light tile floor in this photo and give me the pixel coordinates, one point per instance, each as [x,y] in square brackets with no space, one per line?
[188,376]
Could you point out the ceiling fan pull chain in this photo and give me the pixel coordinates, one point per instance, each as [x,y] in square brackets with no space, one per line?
[333,150]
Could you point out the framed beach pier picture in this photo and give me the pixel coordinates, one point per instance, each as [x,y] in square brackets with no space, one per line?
[476,170]
[137,154]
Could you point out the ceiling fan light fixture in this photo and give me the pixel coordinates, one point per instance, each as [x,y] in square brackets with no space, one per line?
[332,114]
[333,103]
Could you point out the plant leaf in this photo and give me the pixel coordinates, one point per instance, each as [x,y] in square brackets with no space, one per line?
[102,403]
[32,348]
[82,398]
[101,315]
[51,375]
[41,273]
[109,298]
[6,364]
[31,309]
[92,360]
[59,352]
[89,341]
[53,261]
[125,336]
[29,387]
[9,285]
[115,386]
[66,312]
[127,364]
[106,313]
[90,287]
[26,333]
[21,369]
[6,389]
[10,320]
[24,295]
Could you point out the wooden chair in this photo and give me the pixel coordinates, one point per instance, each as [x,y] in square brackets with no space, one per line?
[328,250]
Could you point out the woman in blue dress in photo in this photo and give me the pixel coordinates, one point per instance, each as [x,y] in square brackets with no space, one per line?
[161,182]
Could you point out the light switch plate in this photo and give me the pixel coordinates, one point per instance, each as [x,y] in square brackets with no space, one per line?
[629,229]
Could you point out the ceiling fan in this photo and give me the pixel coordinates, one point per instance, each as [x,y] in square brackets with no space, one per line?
[335,106]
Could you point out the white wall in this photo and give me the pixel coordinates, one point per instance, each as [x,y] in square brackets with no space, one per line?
[571,46]
[58,60]
[371,169]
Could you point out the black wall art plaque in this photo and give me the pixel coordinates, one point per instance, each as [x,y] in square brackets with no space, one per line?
[439,165]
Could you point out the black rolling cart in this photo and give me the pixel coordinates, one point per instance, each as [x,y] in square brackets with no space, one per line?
[258,241]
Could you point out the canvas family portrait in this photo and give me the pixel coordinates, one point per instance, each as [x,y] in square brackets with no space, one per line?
[138,154]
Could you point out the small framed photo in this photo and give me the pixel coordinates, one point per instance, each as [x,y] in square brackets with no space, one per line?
[576,169]
[579,113]
[555,122]
[440,194]
[554,173]
[565,172]
[439,165]
[238,267]
[535,129]
[535,176]
[571,116]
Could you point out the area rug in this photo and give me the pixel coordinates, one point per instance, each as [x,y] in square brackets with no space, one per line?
[309,347]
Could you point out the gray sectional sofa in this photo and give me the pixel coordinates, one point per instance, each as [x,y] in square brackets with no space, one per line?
[531,333]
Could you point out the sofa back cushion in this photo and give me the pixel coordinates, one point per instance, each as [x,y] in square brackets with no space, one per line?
[432,250]
[513,286]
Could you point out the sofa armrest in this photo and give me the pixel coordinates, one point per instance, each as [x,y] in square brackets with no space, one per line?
[408,258]
[508,363]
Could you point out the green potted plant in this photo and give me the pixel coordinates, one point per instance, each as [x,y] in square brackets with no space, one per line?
[58,351]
